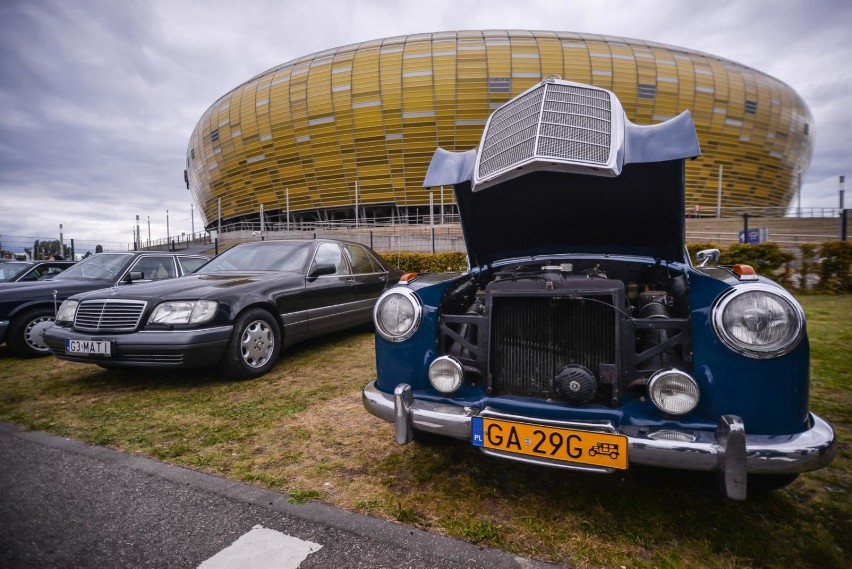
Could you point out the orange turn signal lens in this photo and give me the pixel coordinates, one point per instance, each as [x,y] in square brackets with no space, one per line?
[744,270]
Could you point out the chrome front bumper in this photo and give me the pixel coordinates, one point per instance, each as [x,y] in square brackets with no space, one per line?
[729,451]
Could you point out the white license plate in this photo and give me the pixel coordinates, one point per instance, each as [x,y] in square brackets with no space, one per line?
[89,347]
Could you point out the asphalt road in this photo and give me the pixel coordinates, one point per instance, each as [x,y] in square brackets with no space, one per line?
[66,504]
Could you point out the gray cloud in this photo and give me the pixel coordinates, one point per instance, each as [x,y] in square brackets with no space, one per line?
[100,97]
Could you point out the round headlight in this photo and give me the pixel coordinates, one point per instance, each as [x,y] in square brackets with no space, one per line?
[759,321]
[446,374]
[397,314]
[673,391]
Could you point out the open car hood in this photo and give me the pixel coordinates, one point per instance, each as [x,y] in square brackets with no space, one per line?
[560,169]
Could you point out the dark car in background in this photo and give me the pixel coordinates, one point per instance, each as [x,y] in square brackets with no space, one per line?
[237,312]
[583,337]
[31,271]
[27,309]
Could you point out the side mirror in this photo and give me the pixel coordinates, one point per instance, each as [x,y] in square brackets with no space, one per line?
[134,276]
[706,256]
[323,269]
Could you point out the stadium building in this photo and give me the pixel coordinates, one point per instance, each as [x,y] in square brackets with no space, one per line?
[356,126]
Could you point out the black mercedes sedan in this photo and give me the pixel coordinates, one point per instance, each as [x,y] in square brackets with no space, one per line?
[27,309]
[237,312]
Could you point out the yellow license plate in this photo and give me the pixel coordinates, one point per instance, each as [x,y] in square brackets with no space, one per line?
[554,443]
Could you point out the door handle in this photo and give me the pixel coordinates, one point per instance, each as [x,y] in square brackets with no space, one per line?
[349,281]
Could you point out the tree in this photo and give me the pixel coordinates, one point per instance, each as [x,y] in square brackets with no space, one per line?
[44,249]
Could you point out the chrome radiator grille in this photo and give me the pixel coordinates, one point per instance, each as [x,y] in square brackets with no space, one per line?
[109,315]
[510,138]
[532,338]
[553,121]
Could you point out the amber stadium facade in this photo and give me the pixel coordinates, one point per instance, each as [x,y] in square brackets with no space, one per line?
[356,126]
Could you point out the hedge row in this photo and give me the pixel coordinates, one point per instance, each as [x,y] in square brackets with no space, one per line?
[427,262]
[824,267]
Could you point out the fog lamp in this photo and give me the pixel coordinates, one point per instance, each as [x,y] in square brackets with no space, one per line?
[673,391]
[446,374]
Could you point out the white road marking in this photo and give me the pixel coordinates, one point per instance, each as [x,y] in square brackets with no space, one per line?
[262,548]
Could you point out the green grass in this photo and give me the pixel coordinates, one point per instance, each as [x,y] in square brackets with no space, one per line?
[302,429]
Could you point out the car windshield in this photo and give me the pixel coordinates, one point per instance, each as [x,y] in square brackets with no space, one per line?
[274,256]
[104,266]
[11,271]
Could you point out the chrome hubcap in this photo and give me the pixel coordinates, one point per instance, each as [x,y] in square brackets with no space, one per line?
[257,344]
[34,333]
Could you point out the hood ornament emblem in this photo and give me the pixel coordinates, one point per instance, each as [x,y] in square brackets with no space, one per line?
[114,289]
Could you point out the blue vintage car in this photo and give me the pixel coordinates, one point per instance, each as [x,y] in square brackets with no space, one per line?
[582,337]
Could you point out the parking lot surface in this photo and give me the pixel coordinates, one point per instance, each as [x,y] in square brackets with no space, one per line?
[67,504]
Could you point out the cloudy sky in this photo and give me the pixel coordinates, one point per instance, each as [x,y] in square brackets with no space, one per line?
[99,97]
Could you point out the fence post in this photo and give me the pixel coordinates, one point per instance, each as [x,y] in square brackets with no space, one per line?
[843,223]
[371,239]
[745,228]
[74,258]
[433,240]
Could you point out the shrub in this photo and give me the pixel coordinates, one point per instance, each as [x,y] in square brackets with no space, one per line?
[834,269]
[808,251]
[767,259]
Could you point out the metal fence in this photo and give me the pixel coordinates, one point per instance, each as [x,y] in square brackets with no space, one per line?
[38,248]
[788,232]
[436,234]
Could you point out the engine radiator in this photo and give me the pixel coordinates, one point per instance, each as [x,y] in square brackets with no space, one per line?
[533,337]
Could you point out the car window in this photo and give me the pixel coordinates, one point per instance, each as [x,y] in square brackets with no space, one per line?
[33,274]
[359,259]
[155,268]
[190,264]
[10,271]
[330,254]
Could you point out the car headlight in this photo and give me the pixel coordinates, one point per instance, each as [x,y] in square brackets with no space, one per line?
[183,312]
[397,314]
[759,321]
[446,374]
[66,311]
[673,391]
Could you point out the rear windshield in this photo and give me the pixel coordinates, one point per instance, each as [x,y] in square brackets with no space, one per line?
[9,271]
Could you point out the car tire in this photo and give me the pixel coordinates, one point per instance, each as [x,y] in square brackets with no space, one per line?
[26,334]
[254,346]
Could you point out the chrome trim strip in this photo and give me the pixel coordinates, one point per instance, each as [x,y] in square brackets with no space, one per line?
[293,318]
[337,309]
[226,328]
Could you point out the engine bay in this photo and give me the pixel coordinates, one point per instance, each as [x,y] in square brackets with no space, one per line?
[584,331]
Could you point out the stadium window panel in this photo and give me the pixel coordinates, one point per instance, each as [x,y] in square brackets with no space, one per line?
[647,91]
